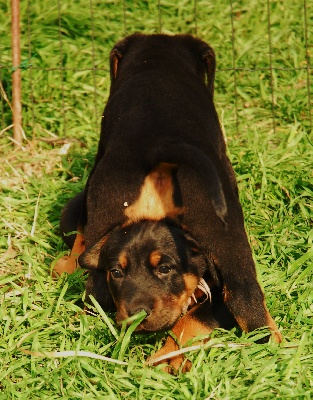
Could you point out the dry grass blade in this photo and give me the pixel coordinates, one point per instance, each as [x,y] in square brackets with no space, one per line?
[72,353]
[189,349]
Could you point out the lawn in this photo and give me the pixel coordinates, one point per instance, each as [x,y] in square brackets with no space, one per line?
[265,108]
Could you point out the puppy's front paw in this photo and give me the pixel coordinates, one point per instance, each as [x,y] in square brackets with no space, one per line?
[173,363]
[64,264]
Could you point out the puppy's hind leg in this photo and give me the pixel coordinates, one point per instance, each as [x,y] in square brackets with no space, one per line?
[241,290]
[71,221]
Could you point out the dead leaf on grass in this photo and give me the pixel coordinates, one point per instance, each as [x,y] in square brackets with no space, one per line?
[9,254]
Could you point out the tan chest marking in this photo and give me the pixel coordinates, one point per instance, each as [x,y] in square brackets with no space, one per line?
[155,201]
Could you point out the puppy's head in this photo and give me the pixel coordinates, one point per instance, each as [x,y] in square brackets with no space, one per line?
[138,51]
[151,266]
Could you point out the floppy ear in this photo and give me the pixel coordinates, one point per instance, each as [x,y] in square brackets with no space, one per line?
[197,251]
[90,258]
[205,54]
[192,244]
[208,56]
[115,57]
[118,52]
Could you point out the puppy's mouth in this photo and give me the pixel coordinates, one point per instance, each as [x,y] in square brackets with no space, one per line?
[154,326]
[166,312]
[199,296]
[161,318]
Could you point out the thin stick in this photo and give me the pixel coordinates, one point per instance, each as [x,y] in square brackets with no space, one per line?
[234,64]
[308,67]
[160,16]
[32,233]
[16,75]
[271,64]
[61,65]
[195,17]
[96,117]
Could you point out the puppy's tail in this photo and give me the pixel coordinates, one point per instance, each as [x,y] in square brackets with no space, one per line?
[185,154]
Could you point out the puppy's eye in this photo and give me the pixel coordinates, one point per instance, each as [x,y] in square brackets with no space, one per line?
[164,269]
[116,273]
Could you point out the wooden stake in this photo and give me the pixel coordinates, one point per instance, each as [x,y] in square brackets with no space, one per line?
[16,75]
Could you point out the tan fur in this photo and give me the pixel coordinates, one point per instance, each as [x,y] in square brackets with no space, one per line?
[68,264]
[122,259]
[186,329]
[191,283]
[155,201]
[276,335]
[115,65]
[155,258]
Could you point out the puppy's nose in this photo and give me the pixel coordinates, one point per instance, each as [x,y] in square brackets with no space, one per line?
[136,307]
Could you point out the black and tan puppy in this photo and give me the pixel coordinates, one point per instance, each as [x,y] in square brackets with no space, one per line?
[160,210]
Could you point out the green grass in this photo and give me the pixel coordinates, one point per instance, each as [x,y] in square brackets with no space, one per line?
[270,145]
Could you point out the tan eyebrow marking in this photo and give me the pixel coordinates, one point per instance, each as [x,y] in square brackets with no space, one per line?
[122,259]
[155,258]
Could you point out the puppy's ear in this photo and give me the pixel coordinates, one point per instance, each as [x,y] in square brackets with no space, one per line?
[115,57]
[192,244]
[200,256]
[118,52]
[205,54]
[208,56]
[90,258]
